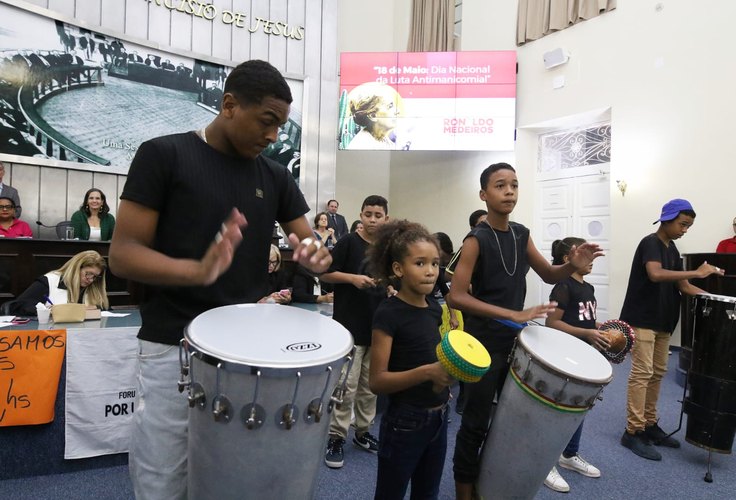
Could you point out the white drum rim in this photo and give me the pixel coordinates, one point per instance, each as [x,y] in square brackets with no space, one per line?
[715,297]
[295,348]
[606,370]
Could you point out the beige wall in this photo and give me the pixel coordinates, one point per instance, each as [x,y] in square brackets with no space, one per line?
[667,77]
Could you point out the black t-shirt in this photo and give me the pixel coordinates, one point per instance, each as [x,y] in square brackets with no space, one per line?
[577,300]
[415,332]
[492,284]
[353,307]
[650,305]
[194,187]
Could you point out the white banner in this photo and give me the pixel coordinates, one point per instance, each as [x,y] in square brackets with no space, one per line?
[100,390]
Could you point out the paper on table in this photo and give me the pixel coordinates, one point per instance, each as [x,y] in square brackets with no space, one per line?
[3,324]
[108,314]
[6,319]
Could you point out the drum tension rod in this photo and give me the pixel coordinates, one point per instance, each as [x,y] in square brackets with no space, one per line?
[196,391]
[315,407]
[288,414]
[221,406]
[339,392]
[253,414]
[183,383]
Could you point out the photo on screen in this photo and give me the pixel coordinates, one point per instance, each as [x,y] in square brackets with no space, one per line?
[414,101]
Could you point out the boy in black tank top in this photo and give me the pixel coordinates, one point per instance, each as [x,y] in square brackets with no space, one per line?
[495,259]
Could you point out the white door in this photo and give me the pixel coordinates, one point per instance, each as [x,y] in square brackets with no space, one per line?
[577,206]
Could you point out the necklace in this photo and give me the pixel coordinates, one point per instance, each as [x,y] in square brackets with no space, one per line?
[500,250]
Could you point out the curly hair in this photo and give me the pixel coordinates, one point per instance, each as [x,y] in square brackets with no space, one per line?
[391,244]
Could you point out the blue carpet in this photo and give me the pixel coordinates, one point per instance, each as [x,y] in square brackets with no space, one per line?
[623,475]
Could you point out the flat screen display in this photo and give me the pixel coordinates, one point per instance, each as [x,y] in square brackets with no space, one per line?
[419,101]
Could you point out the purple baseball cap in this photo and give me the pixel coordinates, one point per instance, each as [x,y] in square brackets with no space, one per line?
[672,209]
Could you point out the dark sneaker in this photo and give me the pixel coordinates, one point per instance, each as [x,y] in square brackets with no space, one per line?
[660,438]
[334,455]
[367,441]
[639,443]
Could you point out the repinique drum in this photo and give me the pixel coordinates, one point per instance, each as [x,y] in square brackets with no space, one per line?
[554,379]
[711,400]
[260,379]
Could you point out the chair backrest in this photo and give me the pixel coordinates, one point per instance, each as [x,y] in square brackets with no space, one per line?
[61,229]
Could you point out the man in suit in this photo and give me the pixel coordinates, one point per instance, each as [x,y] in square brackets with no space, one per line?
[335,220]
[9,192]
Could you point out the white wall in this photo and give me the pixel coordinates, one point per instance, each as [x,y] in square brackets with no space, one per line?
[668,77]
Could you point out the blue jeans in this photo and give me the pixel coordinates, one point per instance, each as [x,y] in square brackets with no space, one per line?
[413,442]
[572,447]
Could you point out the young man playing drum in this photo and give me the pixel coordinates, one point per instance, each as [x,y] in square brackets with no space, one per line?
[652,308]
[195,222]
[495,258]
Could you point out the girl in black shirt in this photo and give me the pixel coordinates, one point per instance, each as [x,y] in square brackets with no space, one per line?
[576,315]
[413,436]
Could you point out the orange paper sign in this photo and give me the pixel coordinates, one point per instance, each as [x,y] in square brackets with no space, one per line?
[30,365]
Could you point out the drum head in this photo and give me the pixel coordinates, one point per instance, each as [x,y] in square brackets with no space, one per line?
[718,298]
[268,336]
[566,354]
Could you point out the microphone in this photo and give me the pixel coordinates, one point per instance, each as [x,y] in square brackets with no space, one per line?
[38,222]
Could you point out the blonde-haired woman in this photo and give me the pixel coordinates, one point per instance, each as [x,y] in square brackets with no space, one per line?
[278,288]
[80,280]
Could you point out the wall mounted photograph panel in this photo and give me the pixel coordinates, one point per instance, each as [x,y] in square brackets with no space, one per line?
[84,99]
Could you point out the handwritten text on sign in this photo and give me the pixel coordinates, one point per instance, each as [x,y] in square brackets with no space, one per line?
[30,365]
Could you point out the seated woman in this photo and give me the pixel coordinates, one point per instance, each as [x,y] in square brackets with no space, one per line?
[80,280]
[10,227]
[307,288]
[323,233]
[278,291]
[93,221]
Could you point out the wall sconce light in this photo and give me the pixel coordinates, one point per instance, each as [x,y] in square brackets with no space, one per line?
[621,185]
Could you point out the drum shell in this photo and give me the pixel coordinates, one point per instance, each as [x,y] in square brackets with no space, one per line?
[524,426]
[714,337]
[287,356]
[228,460]
[711,399]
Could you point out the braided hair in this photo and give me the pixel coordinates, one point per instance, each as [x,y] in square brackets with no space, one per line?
[391,244]
[560,248]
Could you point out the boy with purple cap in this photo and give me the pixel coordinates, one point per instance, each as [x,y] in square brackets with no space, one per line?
[652,308]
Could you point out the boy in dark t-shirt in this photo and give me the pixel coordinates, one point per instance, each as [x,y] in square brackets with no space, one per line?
[356,297]
[495,259]
[652,308]
[171,236]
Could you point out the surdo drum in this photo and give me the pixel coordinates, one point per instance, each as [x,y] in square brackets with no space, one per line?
[553,380]
[711,400]
[259,380]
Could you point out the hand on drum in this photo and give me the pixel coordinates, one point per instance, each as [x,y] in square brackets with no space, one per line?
[598,339]
[219,255]
[583,255]
[310,253]
[540,311]
[706,270]
[439,376]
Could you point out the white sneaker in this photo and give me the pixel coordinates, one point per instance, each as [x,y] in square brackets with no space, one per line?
[578,464]
[556,482]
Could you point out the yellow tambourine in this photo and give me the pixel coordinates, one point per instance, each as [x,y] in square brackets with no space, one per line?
[463,356]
